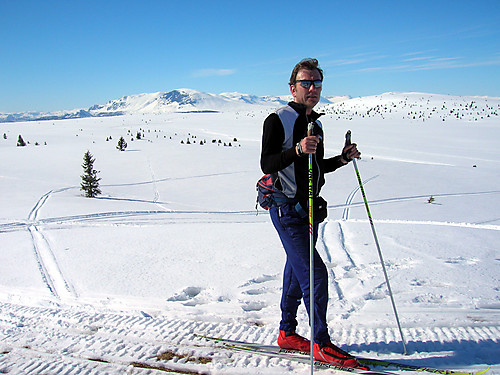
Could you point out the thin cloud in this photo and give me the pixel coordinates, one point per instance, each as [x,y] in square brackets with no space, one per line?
[357,59]
[213,72]
[420,58]
[434,63]
[416,53]
[347,62]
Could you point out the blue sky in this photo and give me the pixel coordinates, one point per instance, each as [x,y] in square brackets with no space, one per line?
[73,54]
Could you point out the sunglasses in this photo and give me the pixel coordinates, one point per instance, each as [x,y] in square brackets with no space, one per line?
[306,83]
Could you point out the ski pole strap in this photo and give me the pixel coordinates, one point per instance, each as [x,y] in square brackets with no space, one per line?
[302,213]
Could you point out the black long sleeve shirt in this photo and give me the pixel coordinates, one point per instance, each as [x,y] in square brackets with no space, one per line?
[274,158]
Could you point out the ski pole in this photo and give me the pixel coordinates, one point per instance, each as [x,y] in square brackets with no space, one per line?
[347,143]
[312,309]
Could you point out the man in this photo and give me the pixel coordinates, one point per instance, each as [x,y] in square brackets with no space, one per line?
[285,151]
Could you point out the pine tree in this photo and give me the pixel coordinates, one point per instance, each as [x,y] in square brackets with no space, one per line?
[122,145]
[20,141]
[90,182]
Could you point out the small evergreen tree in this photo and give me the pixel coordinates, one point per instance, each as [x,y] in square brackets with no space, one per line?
[20,141]
[122,145]
[90,182]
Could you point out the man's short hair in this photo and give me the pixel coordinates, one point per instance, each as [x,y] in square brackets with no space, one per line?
[309,64]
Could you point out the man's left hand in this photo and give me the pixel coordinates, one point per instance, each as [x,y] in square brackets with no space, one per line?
[350,152]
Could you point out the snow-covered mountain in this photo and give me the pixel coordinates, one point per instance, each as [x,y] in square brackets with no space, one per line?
[257,100]
[416,106]
[181,100]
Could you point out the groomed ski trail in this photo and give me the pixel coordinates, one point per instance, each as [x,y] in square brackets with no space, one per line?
[36,340]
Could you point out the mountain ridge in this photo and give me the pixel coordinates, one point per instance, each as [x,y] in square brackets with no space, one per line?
[190,100]
[179,100]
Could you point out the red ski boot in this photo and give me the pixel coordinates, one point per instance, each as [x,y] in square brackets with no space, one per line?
[292,341]
[331,354]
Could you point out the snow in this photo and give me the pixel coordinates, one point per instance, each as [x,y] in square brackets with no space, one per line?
[174,246]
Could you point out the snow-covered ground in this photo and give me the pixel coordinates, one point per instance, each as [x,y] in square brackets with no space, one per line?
[174,246]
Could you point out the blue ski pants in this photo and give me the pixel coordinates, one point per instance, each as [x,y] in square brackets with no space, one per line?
[294,234]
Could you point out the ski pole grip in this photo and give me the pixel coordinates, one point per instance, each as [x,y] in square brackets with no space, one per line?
[348,138]
[310,128]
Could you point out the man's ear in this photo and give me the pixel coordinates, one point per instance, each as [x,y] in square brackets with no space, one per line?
[293,90]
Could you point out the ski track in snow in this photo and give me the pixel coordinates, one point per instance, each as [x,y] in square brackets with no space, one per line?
[155,188]
[133,215]
[349,201]
[38,340]
[50,271]
[350,198]
[342,269]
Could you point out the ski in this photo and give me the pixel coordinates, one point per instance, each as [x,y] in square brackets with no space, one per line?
[276,352]
[406,367]
[271,350]
[303,359]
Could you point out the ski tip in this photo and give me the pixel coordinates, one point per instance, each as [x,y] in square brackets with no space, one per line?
[469,373]
[481,372]
[207,337]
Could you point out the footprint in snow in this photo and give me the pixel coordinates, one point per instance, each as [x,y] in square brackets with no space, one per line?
[254,306]
[255,292]
[186,295]
[462,260]
[260,280]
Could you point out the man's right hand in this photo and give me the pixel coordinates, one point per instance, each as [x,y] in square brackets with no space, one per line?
[309,144]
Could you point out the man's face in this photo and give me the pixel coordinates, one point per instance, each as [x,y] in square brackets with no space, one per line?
[307,96]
